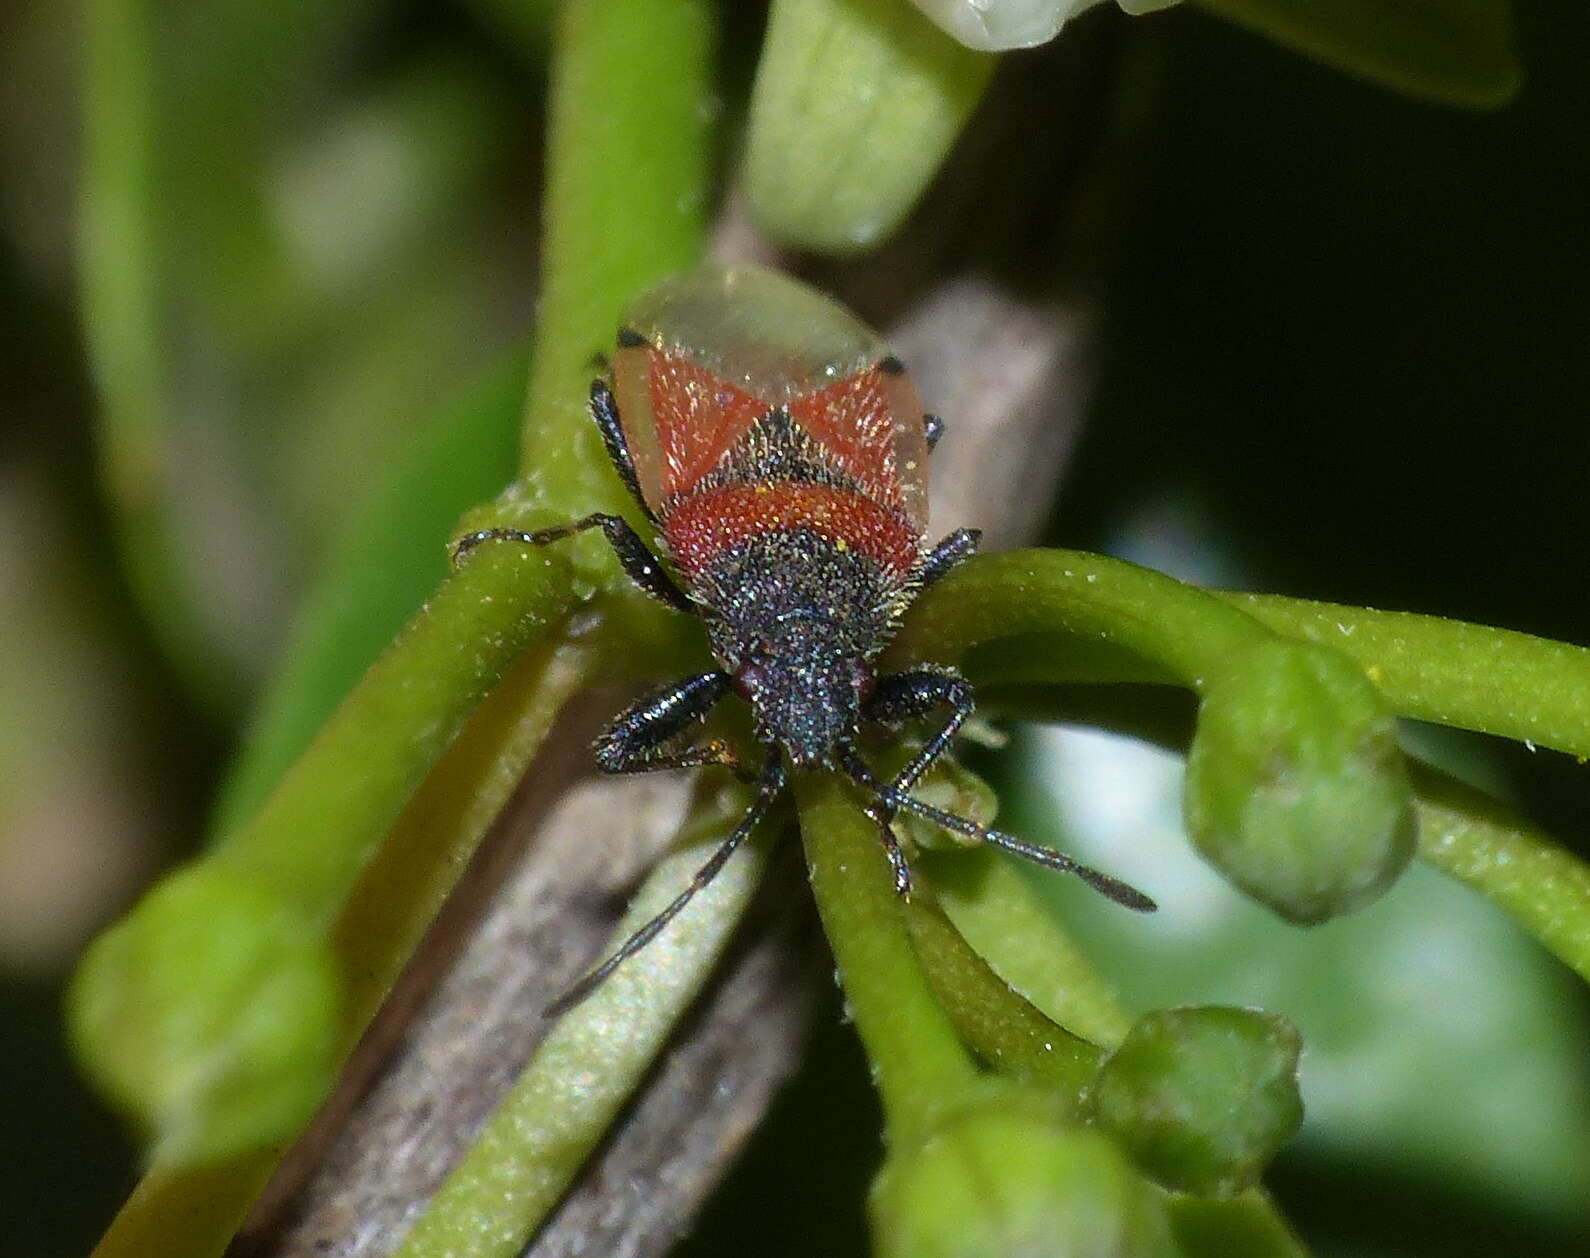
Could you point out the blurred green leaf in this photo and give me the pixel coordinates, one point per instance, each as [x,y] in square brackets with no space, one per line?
[1459,52]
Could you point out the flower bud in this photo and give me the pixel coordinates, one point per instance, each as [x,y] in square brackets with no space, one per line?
[999,1181]
[1296,789]
[209,1014]
[1202,1098]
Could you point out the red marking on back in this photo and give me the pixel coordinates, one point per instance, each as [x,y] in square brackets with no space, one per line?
[698,416]
[701,527]
[853,419]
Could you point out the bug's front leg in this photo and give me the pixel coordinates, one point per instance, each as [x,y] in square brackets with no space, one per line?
[643,567]
[905,696]
[647,735]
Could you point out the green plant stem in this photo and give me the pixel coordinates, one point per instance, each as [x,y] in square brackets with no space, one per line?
[999,914]
[629,144]
[1450,672]
[322,823]
[1062,616]
[1007,1032]
[1106,604]
[919,1065]
[590,1062]
[187,1212]
[1472,838]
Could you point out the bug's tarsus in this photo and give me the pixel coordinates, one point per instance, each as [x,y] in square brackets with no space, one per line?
[1122,893]
[641,566]
[771,783]
[933,430]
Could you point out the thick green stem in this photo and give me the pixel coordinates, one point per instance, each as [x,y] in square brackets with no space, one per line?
[1496,681]
[320,826]
[919,1065]
[627,194]
[1105,603]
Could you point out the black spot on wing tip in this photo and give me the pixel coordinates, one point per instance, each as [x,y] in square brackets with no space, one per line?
[891,366]
[628,338]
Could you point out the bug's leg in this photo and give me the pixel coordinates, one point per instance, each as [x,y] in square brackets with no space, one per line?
[882,813]
[959,545]
[1122,893]
[770,783]
[604,410]
[904,696]
[645,736]
[642,567]
[932,429]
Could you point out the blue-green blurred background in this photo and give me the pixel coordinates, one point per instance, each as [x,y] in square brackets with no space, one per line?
[1345,357]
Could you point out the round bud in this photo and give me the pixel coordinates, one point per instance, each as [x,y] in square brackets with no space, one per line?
[1296,789]
[997,1181]
[1202,1098]
[209,1015]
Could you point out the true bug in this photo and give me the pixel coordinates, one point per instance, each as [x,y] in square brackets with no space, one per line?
[781,452]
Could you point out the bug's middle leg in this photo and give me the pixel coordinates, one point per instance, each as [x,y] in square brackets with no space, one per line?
[643,567]
[648,734]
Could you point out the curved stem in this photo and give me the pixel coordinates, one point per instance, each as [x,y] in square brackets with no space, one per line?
[1496,681]
[1105,603]
[1472,838]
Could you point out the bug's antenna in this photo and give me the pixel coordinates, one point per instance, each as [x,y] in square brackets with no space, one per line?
[896,800]
[768,788]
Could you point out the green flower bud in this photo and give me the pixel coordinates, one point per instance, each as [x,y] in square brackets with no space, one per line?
[1202,1098]
[1296,789]
[855,104]
[998,1181]
[209,1014]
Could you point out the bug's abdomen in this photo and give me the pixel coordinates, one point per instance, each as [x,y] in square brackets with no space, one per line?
[705,525]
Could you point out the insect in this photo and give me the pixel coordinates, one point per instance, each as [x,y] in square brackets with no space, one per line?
[781,453]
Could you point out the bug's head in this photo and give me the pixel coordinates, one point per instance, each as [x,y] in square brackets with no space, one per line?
[805,685]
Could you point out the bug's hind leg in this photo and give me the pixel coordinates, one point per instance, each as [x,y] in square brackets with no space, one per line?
[959,545]
[643,567]
[646,735]
[769,783]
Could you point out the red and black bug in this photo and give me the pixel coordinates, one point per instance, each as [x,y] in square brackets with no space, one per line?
[781,452]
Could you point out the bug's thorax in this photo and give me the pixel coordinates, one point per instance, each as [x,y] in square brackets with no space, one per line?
[796,623]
